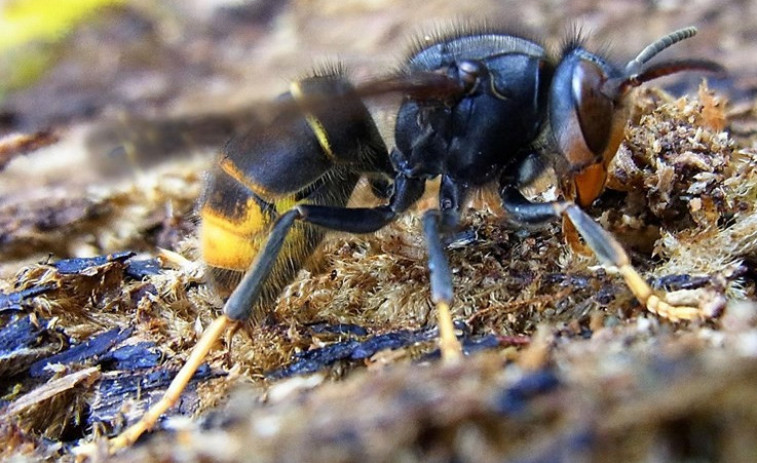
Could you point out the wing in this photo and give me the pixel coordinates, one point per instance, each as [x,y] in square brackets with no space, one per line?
[139,142]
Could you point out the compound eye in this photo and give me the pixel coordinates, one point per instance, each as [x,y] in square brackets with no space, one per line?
[594,109]
[469,73]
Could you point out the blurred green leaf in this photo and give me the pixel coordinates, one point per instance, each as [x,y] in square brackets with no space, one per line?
[30,31]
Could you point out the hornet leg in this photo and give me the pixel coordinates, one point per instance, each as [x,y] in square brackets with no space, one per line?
[236,310]
[602,243]
[441,286]
[239,305]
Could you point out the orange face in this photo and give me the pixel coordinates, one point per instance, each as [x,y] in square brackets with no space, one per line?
[589,182]
[588,127]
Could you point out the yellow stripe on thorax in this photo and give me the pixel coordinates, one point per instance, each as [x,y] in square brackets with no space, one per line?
[315,125]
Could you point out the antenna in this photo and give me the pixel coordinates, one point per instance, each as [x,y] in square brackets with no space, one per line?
[636,73]
[650,51]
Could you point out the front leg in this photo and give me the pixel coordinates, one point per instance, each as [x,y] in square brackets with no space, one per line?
[602,243]
[441,285]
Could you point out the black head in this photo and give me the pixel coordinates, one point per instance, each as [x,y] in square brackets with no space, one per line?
[586,110]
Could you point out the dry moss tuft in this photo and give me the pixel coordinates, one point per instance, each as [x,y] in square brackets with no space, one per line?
[675,161]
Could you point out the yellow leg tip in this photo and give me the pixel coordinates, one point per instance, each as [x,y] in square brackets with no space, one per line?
[656,304]
[170,397]
[448,344]
[100,449]
[128,437]
[673,313]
